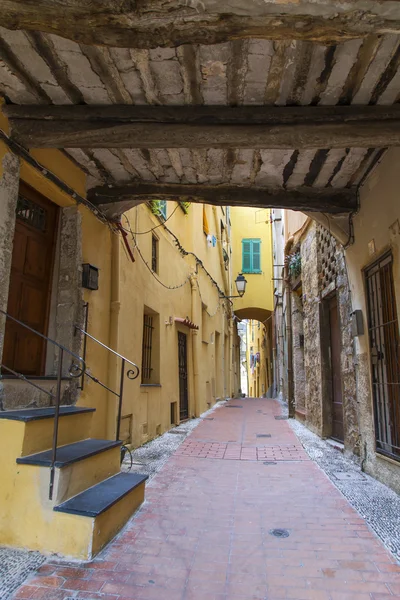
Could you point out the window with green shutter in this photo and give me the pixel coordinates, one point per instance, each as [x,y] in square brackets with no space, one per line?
[159,208]
[184,206]
[251,256]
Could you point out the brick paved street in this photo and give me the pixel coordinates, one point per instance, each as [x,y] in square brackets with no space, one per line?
[205,531]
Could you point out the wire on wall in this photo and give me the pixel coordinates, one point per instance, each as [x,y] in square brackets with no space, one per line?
[199,262]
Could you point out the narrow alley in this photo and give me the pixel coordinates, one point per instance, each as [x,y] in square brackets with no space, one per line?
[239,512]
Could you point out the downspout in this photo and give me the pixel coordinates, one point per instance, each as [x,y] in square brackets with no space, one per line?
[113,361]
[221,255]
[195,344]
[289,338]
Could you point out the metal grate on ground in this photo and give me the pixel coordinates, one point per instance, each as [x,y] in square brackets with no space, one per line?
[235,451]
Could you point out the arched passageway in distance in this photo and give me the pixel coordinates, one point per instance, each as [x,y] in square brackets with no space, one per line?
[256,354]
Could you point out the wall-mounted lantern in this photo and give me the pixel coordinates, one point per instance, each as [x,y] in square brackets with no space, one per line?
[240,282]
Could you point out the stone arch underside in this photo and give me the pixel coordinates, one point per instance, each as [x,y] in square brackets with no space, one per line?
[253,312]
[249,109]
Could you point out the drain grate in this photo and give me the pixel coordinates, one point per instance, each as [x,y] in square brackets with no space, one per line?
[263,435]
[207,419]
[177,432]
[233,406]
[269,462]
[280,418]
[279,533]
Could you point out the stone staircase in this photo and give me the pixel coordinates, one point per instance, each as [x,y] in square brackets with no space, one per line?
[92,499]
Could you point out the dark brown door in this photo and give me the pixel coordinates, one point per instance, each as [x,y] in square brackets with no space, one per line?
[30,281]
[337,398]
[183,377]
[384,339]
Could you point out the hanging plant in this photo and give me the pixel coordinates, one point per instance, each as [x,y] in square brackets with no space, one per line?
[294,264]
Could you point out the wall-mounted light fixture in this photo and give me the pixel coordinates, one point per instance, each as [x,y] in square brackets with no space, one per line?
[241,283]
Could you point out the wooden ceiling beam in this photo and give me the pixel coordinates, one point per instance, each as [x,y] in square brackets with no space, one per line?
[327,200]
[169,23]
[205,127]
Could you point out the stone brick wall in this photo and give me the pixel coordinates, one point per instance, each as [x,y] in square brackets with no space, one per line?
[299,379]
[320,254]
[312,348]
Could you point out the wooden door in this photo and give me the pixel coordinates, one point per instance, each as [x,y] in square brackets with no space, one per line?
[30,282]
[183,377]
[337,398]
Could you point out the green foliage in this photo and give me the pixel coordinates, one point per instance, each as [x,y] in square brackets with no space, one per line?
[294,264]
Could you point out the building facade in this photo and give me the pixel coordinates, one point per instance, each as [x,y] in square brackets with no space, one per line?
[141,302]
[336,324]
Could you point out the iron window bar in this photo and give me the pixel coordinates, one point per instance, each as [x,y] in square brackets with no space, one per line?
[147,347]
[75,370]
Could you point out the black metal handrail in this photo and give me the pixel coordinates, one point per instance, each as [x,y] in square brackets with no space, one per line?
[75,370]
[131,373]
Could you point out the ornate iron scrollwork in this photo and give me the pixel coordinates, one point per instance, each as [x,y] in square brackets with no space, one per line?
[133,373]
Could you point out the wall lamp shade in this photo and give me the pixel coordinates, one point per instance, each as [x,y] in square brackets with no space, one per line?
[241,284]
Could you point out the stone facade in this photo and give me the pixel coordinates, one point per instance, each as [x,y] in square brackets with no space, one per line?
[324,276]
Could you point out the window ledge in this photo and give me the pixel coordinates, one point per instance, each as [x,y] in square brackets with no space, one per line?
[386,458]
[150,385]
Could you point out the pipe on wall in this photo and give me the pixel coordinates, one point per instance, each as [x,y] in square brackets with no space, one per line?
[113,361]
[196,317]
[289,337]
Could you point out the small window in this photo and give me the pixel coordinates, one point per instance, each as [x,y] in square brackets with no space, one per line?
[251,256]
[151,348]
[147,348]
[154,253]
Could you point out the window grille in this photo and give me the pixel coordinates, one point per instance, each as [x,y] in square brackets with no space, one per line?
[154,254]
[147,348]
[31,213]
[384,340]
[327,248]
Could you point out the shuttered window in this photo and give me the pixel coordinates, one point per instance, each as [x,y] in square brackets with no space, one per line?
[251,256]
[159,208]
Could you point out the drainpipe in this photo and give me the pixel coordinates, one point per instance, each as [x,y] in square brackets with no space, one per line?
[221,256]
[289,338]
[113,361]
[195,344]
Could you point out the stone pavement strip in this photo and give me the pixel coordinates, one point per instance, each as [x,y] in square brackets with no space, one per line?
[205,531]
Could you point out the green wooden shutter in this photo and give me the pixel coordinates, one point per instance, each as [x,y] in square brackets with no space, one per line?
[246,256]
[256,256]
[163,208]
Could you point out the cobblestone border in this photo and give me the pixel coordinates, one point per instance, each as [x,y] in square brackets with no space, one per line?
[375,502]
[15,565]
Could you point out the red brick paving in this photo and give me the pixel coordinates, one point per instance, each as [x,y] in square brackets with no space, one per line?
[204,532]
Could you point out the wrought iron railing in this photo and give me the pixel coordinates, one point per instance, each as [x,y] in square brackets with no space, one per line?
[132,372]
[77,369]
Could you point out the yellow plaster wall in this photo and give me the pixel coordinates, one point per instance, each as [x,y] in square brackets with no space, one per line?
[253,223]
[125,288]
[149,405]
[294,221]
[258,379]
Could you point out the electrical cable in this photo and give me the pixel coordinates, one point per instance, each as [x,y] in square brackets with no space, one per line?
[153,228]
[25,155]
[167,287]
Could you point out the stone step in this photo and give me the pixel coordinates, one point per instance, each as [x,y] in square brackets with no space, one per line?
[69,454]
